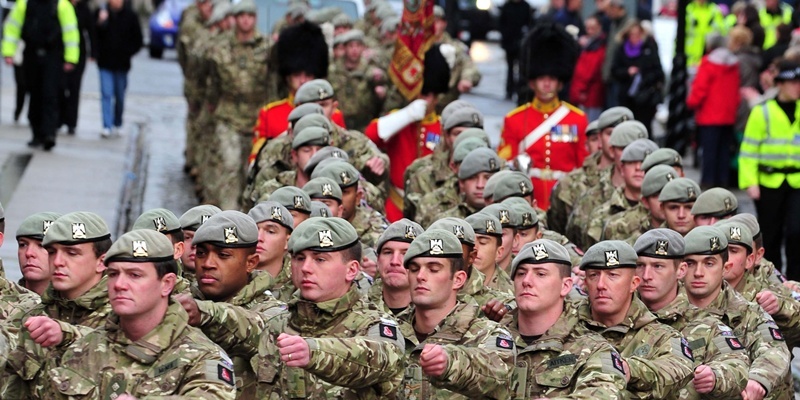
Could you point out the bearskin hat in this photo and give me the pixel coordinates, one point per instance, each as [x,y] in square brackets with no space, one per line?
[549,50]
[302,48]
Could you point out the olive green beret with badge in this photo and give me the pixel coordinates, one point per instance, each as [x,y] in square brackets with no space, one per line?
[492,182]
[311,136]
[593,128]
[453,106]
[293,198]
[737,233]
[342,20]
[609,254]
[436,243]
[479,160]
[244,7]
[158,219]
[626,132]
[465,147]
[353,35]
[528,219]
[196,216]
[638,150]
[344,174]
[438,11]
[663,156]
[76,228]
[312,119]
[313,91]
[220,12]
[660,243]
[460,228]
[485,224]
[141,245]
[504,215]
[297,9]
[471,133]
[514,184]
[320,209]
[716,202]
[303,110]
[613,117]
[389,25]
[323,188]
[750,221]
[325,153]
[541,251]
[229,228]
[680,190]
[705,240]
[656,178]
[272,211]
[35,226]
[323,235]
[402,230]
[463,117]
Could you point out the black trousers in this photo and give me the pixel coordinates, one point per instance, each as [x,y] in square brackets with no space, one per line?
[43,72]
[512,59]
[22,90]
[70,96]
[779,218]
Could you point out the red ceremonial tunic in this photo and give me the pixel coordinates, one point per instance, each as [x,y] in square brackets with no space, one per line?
[562,149]
[412,142]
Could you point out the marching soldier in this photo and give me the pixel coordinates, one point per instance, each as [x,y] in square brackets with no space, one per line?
[33,257]
[677,198]
[295,200]
[190,221]
[714,205]
[464,75]
[628,225]
[357,80]
[391,290]
[478,166]
[275,225]
[488,244]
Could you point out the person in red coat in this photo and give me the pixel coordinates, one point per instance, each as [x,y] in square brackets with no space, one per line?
[546,137]
[415,130]
[586,90]
[714,97]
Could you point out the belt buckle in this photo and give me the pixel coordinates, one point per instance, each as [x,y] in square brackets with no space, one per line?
[547,174]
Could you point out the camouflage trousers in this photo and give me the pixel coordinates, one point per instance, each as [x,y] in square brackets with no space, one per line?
[202,141]
[225,167]
[192,144]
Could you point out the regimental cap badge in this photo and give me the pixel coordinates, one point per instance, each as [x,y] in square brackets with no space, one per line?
[139,248]
[647,153]
[540,251]
[490,228]
[670,176]
[336,154]
[160,224]
[327,190]
[677,160]
[476,119]
[78,230]
[714,243]
[410,234]
[345,176]
[276,214]
[204,218]
[458,230]
[504,219]
[323,94]
[523,187]
[325,238]
[612,258]
[728,204]
[492,164]
[736,233]
[230,235]
[662,247]
[437,247]
[690,193]
[527,219]
[298,202]
[324,212]
[46,226]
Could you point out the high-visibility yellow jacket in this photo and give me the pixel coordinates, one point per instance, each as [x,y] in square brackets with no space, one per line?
[770,141]
[701,19]
[770,23]
[12,30]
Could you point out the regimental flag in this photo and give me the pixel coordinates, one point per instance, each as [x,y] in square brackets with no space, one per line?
[414,37]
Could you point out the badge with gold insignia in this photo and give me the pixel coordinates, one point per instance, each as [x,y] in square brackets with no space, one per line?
[345,177]
[714,243]
[490,228]
[662,247]
[139,248]
[230,235]
[540,252]
[437,247]
[410,234]
[736,233]
[325,238]
[276,213]
[504,219]
[46,226]
[298,202]
[612,258]
[160,224]
[327,190]
[458,230]
[78,230]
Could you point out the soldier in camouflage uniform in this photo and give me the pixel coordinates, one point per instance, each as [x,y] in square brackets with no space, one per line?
[556,356]
[295,200]
[452,352]
[488,244]
[464,75]
[190,221]
[508,221]
[237,87]
[164,221]
[478,166]
[677,198]
[145,347]
[275,225]
[657,358]
[713,205]
[331,342]
[629,224]
[326,191]
[382,54]
[720,359]
[32,256]
[706,256]
[356,80]
[390,290]
[664,156]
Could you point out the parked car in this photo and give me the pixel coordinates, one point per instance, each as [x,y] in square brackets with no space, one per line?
[164,26]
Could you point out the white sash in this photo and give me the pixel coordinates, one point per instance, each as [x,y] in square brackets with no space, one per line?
[544,128]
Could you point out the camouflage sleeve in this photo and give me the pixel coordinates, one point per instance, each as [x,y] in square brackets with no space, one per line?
[213,89]
[209,377]
[769,356]
[668,369]
[469,71]
[788,317]
[483,370]
[558,211]
[602,376]
[725,354]
[375,359]
[72,332]
[233,328]
[361,150]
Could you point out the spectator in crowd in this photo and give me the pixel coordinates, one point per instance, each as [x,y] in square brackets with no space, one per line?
[750,20]
[714,97]
[740,42]
[515,19]
[618,20]
[783,41]
[771,15]
[71,84]
[118,36]
[637,70]
[570,14]
[586,90]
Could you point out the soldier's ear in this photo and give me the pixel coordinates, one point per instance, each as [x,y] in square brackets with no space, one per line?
[635,282]
[100,267]
[168,284]
[682,268]
[251,262]
[566,286]
[180,248]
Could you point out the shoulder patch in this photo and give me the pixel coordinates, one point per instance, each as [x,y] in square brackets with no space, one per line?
[218,371]
[616,362]
[388,331]
[225,374]
[504,343]
[686,349]
[734,343]
[776,333]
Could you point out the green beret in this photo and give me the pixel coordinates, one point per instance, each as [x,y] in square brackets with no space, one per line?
[196,216]
[680,190]
[493,181]
[716,202]
[76,228]
[479,160]
[244,6]
[323,188]
[141,245]
[353,35]
[593,128]
[471,133]
[221,10]
[323,234]
[229,228]
[626,132]
[305,109]
[540,251]
[272,211]
[485,224]
[656,178]
[663,156]
[320,209]
[403,230]
[158,219]
[438,11]
[297,9]
[344,174]
[638,150]
[750,221]
[737,233]
[705,240]
[465,147]
[323,154]
[515,184]
[463,117]
[613,117]
[660,243]
[504,215]
[454,106]
[313,119]
[389,24]
[609,254]
[311,136]
[293,198]
[437,243]
[36,225]
[525,214]
[313,91]
[341,20]
[460,228]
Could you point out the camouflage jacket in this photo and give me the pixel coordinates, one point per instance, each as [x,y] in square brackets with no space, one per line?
[568,191]
[631,222]
[14,301]
[501,282]
[592,197]
[567,361]
[597,219]
[476,289]
[263,189]
[769,356]
[713,344]
[659,358]
[433,204]
[575,252]
[187,33]
[174,359]
[283,287]
[788,315]
[423,176]
[463,69]
[195,67]
[480,357]
[356,90]
[369,225]
[462,210]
